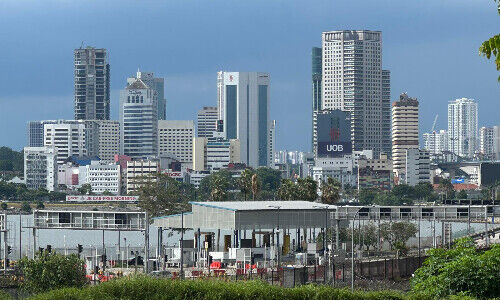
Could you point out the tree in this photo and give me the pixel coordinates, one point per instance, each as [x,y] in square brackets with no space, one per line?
[366,196]
[220,183]
[4,205]
[255,186]
[107,193]
[307,188]
[461,270]
[462,194]
[424,191]
[446,187]
[492,46]
[269,178]
[85,189]
[330,191]
[40,205]
[162,196]
[245,181]
[288,190]
[25,207]
[367,236]
[52,271]
[397,234]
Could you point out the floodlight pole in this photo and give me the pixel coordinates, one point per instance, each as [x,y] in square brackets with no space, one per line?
[352,250]
[182,245]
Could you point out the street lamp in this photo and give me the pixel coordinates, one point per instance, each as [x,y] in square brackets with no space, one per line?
[182,245]
[277,232]
[352,250]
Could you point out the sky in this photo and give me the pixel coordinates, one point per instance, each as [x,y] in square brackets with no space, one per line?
[430,47]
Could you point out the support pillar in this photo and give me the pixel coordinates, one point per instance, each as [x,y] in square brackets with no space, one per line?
[34,243]
[146,245]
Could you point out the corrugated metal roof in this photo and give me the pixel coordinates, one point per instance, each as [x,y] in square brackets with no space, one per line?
[264,205]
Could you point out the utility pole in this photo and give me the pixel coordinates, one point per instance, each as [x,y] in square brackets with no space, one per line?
[182,245]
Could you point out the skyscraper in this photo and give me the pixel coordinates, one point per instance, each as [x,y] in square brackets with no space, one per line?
[462,127]
[91,84]
[67,137]
[404,132]
[138,119]
[157,84]
[176,137]
[243,104]
[353,81]
[207,121]
[486,141]
[436,142]
[316,91]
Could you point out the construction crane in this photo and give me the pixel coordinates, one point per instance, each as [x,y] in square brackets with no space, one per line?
[434,123]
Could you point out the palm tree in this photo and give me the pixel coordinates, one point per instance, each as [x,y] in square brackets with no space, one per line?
[245,181]
[330,191]
[255,185]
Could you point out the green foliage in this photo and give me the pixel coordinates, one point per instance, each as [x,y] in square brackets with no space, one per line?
[330,191]
[11,161]
[52,271]
[366,196]
[397,234]
[25,207]
[462,194]
[446,188]
[4,205]
[367,236]
[143,287]
[40,205]
[245,181]
[85,189]
[164,195]
[462,270]
[288,190]
[269,178]
[307,188]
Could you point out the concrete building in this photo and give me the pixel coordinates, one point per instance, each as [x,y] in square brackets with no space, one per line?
[138,171]
[343,168]
[40,168]
[108,140]
[486,142]
[158,85]
[404,131]
[332,135]
[138,119]
[243,104]
[91,84]
[417,167]
[375,173]
[35,134]
[68,137]
[436,142]
[214,155]
[353,81]
[176,138]
[207,122]
[462,127]
[101,177]
[316,88]
[272,142]
[496,142]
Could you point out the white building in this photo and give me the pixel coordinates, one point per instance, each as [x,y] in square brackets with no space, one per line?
[138,172]
[101,177]
[176,138]
[207,121]
[243,104]
[195,178]
[272,142]
[138,119]
[436,142]
[214,155]
[158,85]
[40,168]
[462,127]
[417,167]
[486,142]
[68,137]
[404,131]
[353,81]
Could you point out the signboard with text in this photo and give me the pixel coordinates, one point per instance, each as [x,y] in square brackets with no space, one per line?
[91,198]
[334,134]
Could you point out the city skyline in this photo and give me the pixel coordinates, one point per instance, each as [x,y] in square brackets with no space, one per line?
[193,85]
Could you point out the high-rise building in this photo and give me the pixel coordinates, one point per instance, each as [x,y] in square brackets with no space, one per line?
[272,143]
[496,142]
[176,138]
[243,99]
[316,88]
[404,131]
[462,127]
[207,121]
[35,134]
[68,137]
[91,84]
[436,142]
[158,85]
[417,167]
[353,81]
[214,155]
[107,139]
[40,168]
[486,141]
[138,119]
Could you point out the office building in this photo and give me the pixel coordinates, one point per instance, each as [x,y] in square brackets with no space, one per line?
[332,137]
[272,142]
[103,178]
[316,88]
[108,140]
[40,168]
[207,121]
[139,172]
[158,85]
[486,142]
[138,120]
[404,131]
[353,81]
[68,137]
[417,168]
[214,155]
[176,138]
[91,84]
[462,127]
[436,143]
[243,104]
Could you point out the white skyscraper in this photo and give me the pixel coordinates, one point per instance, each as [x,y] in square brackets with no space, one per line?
[157,84]
[462,127]
[138,119]
[243,99]
[68,137]
[353,81]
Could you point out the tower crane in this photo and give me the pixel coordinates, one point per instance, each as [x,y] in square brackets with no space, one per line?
[434,123]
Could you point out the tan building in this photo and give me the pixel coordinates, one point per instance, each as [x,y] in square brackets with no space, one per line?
[138,171]
[404,132]
[176,138]
[214,155]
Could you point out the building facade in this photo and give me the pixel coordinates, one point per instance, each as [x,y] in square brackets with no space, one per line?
[207,121]
[91,84]
[214,155]
[486,142]
[138,120]
[436,142]
[272,143]
[68,137]
[353,81]
[375,173]
[176,138]
[101,177]
[404,131]
[40,168]
[243,105]
[417,167]
[316,57]
[462,127]
[138,172]
[158,85]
